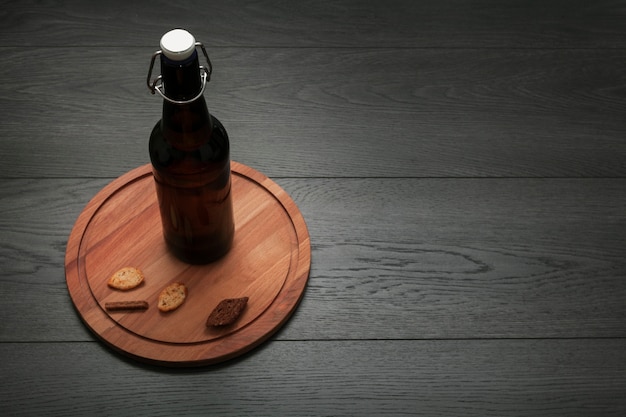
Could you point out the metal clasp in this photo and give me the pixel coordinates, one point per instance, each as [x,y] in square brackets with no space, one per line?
[156,85]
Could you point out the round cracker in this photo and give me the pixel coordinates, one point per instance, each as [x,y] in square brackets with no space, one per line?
[172,296]
[126,278]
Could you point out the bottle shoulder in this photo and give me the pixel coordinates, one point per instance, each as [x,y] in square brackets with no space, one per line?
[167,154]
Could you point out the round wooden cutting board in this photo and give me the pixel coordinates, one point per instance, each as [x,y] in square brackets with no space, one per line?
[269,263]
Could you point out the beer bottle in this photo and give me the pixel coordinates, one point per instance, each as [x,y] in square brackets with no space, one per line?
[189,151]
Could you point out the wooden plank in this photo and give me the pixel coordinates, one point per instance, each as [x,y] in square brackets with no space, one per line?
[315,112]
[405,23]
[391,258]
[434,378]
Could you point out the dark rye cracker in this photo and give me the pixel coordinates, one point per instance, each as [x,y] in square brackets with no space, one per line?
[227,312]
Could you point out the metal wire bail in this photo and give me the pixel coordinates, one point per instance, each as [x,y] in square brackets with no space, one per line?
[156,85]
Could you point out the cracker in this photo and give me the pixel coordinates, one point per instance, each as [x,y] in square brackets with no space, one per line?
[126,305]
[172,296]
[227,312]
[126,278]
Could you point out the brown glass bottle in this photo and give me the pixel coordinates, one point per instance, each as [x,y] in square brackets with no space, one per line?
[189,151]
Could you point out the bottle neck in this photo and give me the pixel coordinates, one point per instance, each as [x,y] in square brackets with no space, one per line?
[185,126]
[181,79]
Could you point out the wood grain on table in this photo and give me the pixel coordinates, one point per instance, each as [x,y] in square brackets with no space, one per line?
[461,167]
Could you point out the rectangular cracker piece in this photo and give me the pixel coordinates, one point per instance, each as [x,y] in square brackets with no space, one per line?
[126,305]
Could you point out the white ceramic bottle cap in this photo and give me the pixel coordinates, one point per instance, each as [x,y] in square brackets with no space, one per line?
[178,44]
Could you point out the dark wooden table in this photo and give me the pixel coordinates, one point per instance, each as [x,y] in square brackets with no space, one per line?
[461,166]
